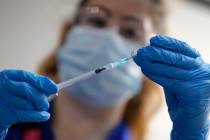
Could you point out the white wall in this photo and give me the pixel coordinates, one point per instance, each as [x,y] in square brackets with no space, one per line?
[191,22]
[29,31]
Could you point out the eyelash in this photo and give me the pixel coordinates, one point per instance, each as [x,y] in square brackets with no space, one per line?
[97,22]
[128,33]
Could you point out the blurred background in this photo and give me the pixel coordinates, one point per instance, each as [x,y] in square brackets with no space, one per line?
[29,31]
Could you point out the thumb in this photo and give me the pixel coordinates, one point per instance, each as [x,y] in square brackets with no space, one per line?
[32,116]
[171,102]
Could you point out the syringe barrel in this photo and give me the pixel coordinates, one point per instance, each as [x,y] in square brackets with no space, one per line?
[71,82]
[75,80]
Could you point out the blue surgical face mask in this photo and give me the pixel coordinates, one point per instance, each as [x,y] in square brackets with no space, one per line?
[88,48]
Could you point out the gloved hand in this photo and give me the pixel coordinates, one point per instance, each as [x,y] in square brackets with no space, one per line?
[185,77]
[23,98]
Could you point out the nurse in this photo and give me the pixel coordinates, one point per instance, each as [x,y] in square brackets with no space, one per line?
[103,31]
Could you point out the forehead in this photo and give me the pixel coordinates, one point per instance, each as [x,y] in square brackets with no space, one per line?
[137,8]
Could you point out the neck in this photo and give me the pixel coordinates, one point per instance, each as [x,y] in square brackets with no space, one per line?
[81,122]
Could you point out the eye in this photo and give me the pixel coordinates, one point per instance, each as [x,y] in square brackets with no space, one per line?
[98,22]
[129,33]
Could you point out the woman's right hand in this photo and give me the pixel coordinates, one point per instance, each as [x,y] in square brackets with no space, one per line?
[23,97]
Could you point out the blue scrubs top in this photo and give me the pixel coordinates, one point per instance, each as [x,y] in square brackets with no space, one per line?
[43,131]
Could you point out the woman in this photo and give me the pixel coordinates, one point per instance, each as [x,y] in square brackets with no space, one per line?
[126,117]
[136,112]
[93,109]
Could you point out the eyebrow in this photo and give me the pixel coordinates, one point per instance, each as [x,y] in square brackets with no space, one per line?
[130,19]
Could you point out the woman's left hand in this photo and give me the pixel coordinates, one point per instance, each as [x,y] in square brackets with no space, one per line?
[185,77]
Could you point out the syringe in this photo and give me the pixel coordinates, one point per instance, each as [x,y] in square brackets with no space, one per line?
[89,74]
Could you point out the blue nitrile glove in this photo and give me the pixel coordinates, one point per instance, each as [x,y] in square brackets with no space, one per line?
[23,98]
[185,78]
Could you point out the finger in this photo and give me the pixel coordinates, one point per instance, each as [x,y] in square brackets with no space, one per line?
[24,90]
[17,102]
[165,70]
[159,55]
[40,82]
[32,116]
[174,45]
[163,81]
